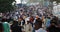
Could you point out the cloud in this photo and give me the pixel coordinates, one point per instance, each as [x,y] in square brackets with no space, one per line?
[18,1]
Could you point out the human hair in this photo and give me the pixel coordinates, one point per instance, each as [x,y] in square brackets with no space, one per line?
[14,22]
[31,18]
[54,20]
[48,17]
[38,24]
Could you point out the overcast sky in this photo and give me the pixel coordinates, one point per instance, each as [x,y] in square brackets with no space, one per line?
[18,1]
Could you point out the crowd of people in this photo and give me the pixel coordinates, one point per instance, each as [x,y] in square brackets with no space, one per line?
[31,19]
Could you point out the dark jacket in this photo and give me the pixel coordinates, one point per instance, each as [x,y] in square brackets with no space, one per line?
[53,29]
[1,27]
[38,24]
[15,27]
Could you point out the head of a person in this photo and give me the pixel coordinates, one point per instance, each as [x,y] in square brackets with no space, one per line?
[38,24]
[21,10]
[31,18]
[48,17]
[37,16]
[20,19]
[53,24]
[54,21]
[28,22]
[51,14]
[55,18]
[24,17]
[14,22]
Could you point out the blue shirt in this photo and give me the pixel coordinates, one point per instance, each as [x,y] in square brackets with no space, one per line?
[48,23]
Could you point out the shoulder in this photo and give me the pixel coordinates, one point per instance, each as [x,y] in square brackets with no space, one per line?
[41,30]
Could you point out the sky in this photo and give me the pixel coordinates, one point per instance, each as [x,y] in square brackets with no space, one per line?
[18,1]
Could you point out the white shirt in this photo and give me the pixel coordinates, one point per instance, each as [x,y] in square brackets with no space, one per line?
[27,19]
[40,30]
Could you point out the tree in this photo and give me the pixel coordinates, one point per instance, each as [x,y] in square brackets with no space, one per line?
[6,5]
[55,0]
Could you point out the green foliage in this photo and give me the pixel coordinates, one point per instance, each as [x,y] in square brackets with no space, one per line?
[6,5]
